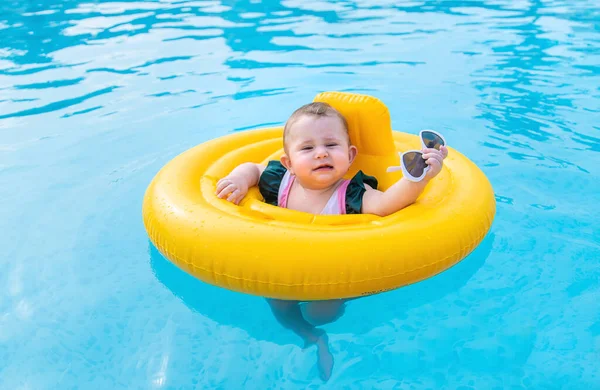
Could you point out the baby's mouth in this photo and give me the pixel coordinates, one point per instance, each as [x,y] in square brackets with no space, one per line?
[324,167]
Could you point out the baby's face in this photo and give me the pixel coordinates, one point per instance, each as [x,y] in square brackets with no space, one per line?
[318,151]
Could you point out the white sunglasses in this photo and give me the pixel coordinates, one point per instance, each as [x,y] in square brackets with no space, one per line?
[412,163]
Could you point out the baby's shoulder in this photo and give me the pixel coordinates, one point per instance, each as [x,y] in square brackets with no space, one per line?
[363,180]
[270,181]
[357,187]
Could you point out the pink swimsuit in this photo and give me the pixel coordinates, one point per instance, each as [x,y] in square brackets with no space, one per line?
[335,205]
[276,181]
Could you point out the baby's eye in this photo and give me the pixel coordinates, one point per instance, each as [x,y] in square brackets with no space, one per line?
[331,145]
[306,148]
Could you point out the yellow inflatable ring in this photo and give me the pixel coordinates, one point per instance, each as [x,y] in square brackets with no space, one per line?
[260,249]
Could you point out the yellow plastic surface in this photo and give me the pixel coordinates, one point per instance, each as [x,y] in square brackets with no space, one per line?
[265,250]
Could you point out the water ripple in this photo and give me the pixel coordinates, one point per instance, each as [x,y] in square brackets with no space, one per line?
[49,84]
[59,105]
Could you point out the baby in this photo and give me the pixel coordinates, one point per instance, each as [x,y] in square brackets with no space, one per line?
[310,178]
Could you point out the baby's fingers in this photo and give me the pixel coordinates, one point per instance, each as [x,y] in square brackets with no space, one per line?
[221,184]
[433,162]
[433,154]
[444,151]
[233,197]
[239,198]
[236,196]
[226,191]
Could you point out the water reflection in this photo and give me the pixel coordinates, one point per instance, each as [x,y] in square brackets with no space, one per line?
[513,83]
[522,92]
[75,22]
[528,91]
[98,43]
[224,306]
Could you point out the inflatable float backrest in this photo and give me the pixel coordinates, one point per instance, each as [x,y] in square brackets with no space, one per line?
[369,126]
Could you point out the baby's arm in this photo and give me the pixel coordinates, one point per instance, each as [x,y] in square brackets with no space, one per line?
[404,192]
[235,185]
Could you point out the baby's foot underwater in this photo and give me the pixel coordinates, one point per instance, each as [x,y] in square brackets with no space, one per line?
[324,357]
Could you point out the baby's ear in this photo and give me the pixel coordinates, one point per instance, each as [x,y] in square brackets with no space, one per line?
[285,161]
[352,152]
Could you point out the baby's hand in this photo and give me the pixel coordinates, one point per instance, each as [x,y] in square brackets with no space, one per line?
[232,187]
[435,159]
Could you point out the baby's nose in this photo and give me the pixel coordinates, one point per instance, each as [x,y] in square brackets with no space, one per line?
[320,152]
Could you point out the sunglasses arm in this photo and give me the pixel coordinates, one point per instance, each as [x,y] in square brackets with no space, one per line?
[396,168]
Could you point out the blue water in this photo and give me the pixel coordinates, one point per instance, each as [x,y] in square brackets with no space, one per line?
[96,96]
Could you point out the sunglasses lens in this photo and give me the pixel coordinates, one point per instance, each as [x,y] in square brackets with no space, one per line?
[432,140]
[414,163]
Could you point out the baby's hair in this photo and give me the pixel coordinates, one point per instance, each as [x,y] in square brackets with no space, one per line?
[317,109]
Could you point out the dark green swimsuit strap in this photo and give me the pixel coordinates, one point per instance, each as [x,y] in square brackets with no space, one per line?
[270,181]
[356,190]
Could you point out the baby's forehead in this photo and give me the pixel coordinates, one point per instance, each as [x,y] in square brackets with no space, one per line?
[310,118]
[309,126]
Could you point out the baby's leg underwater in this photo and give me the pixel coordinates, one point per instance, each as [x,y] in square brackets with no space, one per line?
[324,312]
[289,315]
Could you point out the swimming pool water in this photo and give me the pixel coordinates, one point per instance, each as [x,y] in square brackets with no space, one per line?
[96,96]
